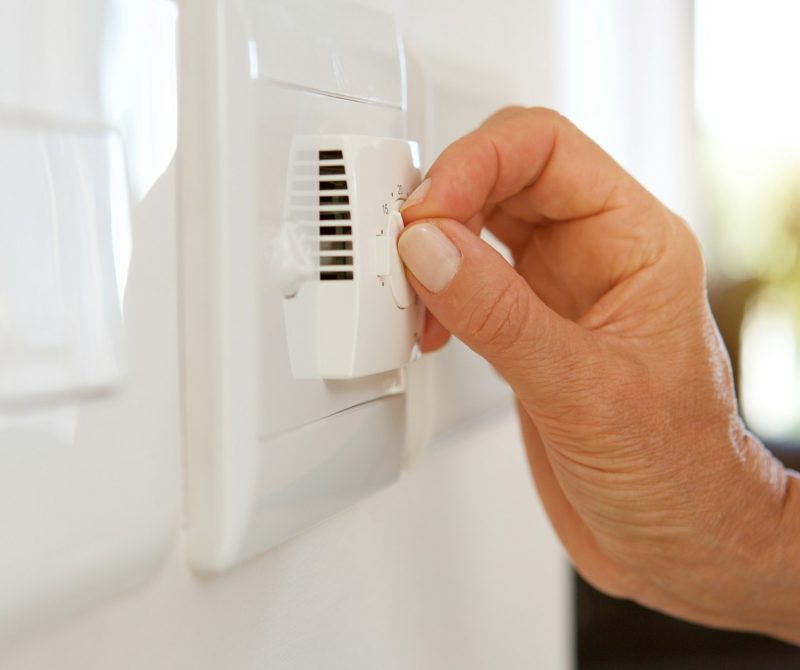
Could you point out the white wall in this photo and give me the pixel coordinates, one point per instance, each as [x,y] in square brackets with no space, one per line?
[631,87]
[454,566]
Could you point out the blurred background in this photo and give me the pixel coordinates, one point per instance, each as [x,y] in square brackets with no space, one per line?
[700,100]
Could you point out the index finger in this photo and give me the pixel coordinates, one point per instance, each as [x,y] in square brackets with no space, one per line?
[547,167]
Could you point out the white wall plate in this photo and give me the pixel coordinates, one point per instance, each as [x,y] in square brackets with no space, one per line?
[276,443]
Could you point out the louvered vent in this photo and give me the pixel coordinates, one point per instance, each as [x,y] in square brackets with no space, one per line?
[335,227]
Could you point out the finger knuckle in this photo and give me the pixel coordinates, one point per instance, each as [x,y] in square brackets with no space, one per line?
[550,115]
[542,115]
[692,250]
[504,114]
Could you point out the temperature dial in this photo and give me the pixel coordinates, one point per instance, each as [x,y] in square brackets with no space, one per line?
[388,264]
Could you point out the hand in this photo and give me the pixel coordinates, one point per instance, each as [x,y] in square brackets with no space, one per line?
[624,392]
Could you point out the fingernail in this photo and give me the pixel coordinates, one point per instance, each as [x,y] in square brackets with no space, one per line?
[430,255]
[417,195]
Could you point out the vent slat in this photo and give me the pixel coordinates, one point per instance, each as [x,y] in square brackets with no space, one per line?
[331,155]
[333,185]
[327,200]
[336,215]
[325,170]
[335,230]
[336,276]
[336,260]
[328,246]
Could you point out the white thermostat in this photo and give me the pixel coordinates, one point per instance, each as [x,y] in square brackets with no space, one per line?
[350,311]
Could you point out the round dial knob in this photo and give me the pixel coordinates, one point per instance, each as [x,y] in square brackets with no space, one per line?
[401,290]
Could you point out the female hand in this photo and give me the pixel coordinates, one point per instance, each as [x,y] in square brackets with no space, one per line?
[603,330]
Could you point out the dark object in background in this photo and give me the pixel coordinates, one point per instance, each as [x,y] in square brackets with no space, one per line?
[620,635]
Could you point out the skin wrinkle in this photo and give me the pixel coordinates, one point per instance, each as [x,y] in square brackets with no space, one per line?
[605,313]
[508,316]
[610,301]
[622,275]
[497,170]
[738,581]
[785,555]
[592,465]
[569,365]
[607,206]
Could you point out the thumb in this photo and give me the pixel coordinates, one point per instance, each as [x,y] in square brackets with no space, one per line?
[481,299]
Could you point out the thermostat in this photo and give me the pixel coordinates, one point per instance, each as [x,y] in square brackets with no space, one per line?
[350,311]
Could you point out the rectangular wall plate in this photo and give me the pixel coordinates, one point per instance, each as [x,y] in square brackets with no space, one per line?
[269,452]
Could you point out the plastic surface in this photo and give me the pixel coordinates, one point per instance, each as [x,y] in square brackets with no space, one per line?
[63,214]
[321,47]
[402,293]
[356,315]
[242,259]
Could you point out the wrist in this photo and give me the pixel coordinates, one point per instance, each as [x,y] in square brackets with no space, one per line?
[782,584]
[736,565]
[760,547]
